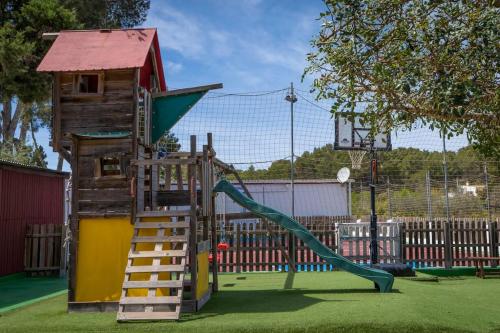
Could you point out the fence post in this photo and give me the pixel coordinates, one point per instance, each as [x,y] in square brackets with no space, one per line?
[402,242]
[340,249]
[238,248]
[448,254]
[493,242]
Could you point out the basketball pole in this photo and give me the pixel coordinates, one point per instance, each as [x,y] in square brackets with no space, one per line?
[373,214]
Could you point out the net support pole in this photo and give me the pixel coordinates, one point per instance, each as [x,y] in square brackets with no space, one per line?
[291,238]
[373,215]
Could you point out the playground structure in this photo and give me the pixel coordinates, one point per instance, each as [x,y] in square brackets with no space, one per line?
[143,219]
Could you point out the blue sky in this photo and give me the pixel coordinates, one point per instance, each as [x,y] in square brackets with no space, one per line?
[248,45]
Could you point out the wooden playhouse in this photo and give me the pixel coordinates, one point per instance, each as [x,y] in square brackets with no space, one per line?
[141,226]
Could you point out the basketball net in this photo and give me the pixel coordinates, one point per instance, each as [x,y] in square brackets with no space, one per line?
[356,158]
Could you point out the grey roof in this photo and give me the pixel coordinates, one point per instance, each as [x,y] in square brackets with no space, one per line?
[17,165]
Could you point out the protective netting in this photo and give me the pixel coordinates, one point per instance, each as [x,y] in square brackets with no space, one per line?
[252,131]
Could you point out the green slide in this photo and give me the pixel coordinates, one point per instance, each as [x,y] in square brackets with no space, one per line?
[381,278]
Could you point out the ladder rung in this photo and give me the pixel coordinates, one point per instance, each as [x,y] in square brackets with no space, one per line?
[122,316]
[155,269]
[158,225]
[159,239]
[153,284]
[164,213]
[157,254]
[151,300]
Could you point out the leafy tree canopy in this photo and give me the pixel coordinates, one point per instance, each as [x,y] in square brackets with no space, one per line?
[109,14]
[403,61]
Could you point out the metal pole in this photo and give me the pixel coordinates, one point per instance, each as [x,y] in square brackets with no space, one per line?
[447,230]
[487,189]
[389,202]
[291,238]
[428,193]
[445,166]
[373,214]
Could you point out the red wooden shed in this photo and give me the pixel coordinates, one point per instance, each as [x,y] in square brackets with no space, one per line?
[28,196]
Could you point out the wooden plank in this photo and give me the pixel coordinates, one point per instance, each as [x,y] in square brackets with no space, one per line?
[158,239]
[190,90]
[50,246]
[167,161]
[28,247]
[150,300]
[35,255]
[155,269]
[165,225]
[129,316]
[155,254]
[153,284]
[164,213]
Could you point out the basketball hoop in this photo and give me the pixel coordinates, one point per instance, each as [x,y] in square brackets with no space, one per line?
[356,158]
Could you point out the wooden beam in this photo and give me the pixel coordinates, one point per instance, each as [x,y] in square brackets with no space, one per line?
[50,35]
[185,91]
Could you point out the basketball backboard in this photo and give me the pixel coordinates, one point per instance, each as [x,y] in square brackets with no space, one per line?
[354,136]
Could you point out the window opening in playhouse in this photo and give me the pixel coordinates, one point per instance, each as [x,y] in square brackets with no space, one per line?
[110,166]
[88,84]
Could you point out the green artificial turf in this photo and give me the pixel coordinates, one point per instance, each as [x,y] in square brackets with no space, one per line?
[18,290]
[311,302]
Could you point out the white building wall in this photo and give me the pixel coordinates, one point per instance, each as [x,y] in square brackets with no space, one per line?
[311,199]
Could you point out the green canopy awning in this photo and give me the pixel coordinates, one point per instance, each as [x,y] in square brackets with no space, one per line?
[170,106]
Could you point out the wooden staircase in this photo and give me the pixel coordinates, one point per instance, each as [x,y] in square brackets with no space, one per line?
[154,278]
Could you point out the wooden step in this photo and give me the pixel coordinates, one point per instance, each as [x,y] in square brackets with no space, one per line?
[159,239]
[151,300]
[159,225]
[164,213]
[155,269]
[153,284]
[157,254]
[126,316]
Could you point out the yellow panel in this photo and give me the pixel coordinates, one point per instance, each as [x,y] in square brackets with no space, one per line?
[202,278]
[102,256]
[149,261]
[103,248]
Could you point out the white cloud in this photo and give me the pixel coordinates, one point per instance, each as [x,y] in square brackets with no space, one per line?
[174,67]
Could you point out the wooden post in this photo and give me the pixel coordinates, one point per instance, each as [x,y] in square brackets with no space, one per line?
[193,240]
[238,248]
[140,180]
[213,220]
[448,255]
[206,192]
[154,183]
[402,241]
[73,222]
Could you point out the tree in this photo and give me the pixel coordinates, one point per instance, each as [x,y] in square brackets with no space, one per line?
[403,61]
[23,91]
[95,14]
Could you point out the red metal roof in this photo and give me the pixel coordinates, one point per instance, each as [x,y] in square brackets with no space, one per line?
[98,50]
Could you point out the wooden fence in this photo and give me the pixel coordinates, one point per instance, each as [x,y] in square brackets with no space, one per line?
[439,243]
[415,241]
[43,252]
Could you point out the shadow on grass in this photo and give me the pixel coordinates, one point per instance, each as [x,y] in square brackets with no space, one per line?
[18,289]
[267,301]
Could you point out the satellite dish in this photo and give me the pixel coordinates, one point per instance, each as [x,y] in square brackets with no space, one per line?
[343,175]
